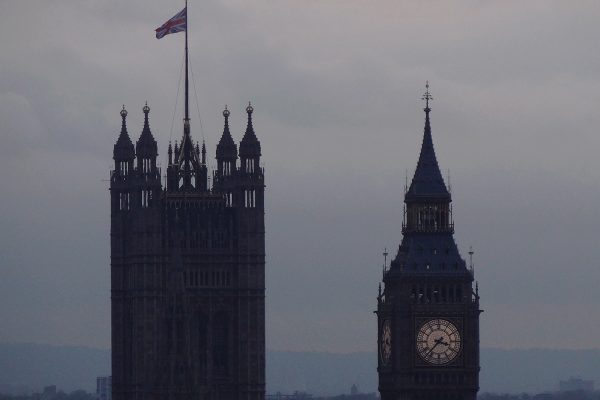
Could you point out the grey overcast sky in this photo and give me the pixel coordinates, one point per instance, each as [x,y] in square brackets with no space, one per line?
[336,86]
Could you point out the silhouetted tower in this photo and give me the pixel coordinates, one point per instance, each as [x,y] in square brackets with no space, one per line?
[428,313]
[187,270]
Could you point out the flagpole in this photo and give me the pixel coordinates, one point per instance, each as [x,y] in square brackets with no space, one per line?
[187,115]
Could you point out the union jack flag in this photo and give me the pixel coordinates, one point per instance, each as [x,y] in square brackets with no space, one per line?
[176,24]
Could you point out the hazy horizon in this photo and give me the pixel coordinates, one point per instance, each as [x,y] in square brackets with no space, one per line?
[336,88]
[503,371]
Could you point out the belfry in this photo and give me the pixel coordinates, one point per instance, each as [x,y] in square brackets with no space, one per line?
[428,311]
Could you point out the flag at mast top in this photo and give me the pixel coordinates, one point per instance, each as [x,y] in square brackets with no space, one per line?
[176,24]
[179,24]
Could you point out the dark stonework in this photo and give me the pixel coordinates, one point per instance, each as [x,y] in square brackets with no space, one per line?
[428,312]
[188,270]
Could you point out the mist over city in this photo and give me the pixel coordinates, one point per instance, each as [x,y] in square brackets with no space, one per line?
[336,90]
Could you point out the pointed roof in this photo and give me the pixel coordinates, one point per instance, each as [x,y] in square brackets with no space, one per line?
[250,145]
[226,147]
[146,145]
[428,180]
[187,153]
[123,150]
[188,160]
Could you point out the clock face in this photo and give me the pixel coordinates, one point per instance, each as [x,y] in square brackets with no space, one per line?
[386,342]
[438,341]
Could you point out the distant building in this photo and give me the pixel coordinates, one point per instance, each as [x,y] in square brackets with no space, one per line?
[354,390]
[576,385]
[297,395]
[103,387]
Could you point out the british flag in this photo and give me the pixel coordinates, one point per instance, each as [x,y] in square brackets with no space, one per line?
[176,24]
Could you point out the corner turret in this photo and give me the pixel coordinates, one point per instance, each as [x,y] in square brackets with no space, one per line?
[146,148]
[122,177]
[226,150]
[123,152]
[250,146]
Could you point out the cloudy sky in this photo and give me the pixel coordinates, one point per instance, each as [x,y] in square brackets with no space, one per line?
[336,86]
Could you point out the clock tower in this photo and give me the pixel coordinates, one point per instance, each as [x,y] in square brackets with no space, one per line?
[428,312]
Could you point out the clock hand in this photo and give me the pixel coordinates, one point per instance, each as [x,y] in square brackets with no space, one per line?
[440,341]
[437,342]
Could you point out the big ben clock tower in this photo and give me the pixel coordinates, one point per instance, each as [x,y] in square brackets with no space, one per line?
[428,312]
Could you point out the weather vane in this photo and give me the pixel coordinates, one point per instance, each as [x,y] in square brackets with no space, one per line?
[427,96]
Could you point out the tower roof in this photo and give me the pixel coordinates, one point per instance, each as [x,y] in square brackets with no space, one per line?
[123,149]
[226,147]
[249,146]
[427,181]
[429,254]
[146,145]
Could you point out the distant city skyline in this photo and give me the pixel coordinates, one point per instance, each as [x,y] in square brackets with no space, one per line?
[336,89]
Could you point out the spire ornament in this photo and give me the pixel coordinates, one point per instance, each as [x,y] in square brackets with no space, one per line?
[427,96]
[250,110]
[226,114]
[146,110]
[250,128]
[123,117]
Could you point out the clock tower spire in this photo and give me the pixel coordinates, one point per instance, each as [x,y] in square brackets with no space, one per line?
[428,313]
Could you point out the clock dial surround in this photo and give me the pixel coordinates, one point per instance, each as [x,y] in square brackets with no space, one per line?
[438,341]
[385,348]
